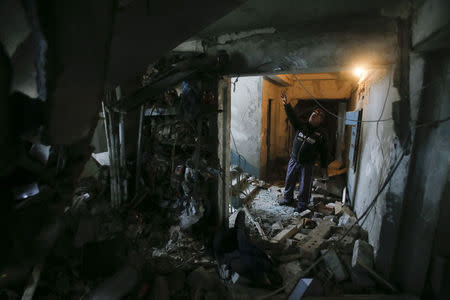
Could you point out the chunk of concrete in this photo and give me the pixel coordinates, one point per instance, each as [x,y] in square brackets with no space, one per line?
[347,220]
[290,272]
[332,219]
[311,248]
[333,262]
[360,280]
[362,255]
[322,230]
[277,226]
[346,244]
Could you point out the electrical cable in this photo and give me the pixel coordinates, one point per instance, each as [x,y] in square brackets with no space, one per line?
[331,113]
[381,114]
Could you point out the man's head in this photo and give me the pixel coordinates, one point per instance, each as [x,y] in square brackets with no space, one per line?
[317,117]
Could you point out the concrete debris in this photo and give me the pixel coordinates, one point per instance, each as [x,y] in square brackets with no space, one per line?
[334,264]
[347,220]
[332,219]
[322,230]
[167,219]
[277,226]
[362,255]
[311,248]
[290,273]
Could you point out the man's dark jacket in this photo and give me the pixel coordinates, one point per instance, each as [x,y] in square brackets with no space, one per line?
[308,141]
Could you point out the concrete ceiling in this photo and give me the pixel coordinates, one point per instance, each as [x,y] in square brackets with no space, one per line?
[294,13]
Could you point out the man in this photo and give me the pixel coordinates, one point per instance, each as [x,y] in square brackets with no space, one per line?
[308,143]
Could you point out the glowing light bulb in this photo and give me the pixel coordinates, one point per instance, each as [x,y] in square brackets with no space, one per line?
[359,72]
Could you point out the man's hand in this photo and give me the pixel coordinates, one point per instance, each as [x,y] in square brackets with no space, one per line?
[283,97]
[324,173]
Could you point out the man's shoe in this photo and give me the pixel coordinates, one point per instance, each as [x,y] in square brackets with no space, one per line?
[285,202]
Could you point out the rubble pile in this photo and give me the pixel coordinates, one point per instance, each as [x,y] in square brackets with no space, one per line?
[324,243]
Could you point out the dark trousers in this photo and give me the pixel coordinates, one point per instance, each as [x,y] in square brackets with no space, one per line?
[302,173]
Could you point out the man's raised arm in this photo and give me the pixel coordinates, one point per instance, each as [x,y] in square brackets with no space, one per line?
[290,112]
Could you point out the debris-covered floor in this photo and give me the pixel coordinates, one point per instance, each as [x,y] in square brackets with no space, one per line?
[141,252]
[142,222]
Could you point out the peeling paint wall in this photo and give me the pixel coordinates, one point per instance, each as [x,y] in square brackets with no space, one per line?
[246,97]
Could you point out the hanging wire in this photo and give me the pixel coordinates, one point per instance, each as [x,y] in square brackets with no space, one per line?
[362,121]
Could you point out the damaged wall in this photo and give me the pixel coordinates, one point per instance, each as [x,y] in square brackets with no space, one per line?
[379,149]
[246,96]
[427,195]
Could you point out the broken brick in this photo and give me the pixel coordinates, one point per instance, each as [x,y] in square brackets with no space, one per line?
[322,230]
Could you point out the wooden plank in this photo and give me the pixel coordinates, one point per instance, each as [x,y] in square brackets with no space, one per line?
[285,234]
